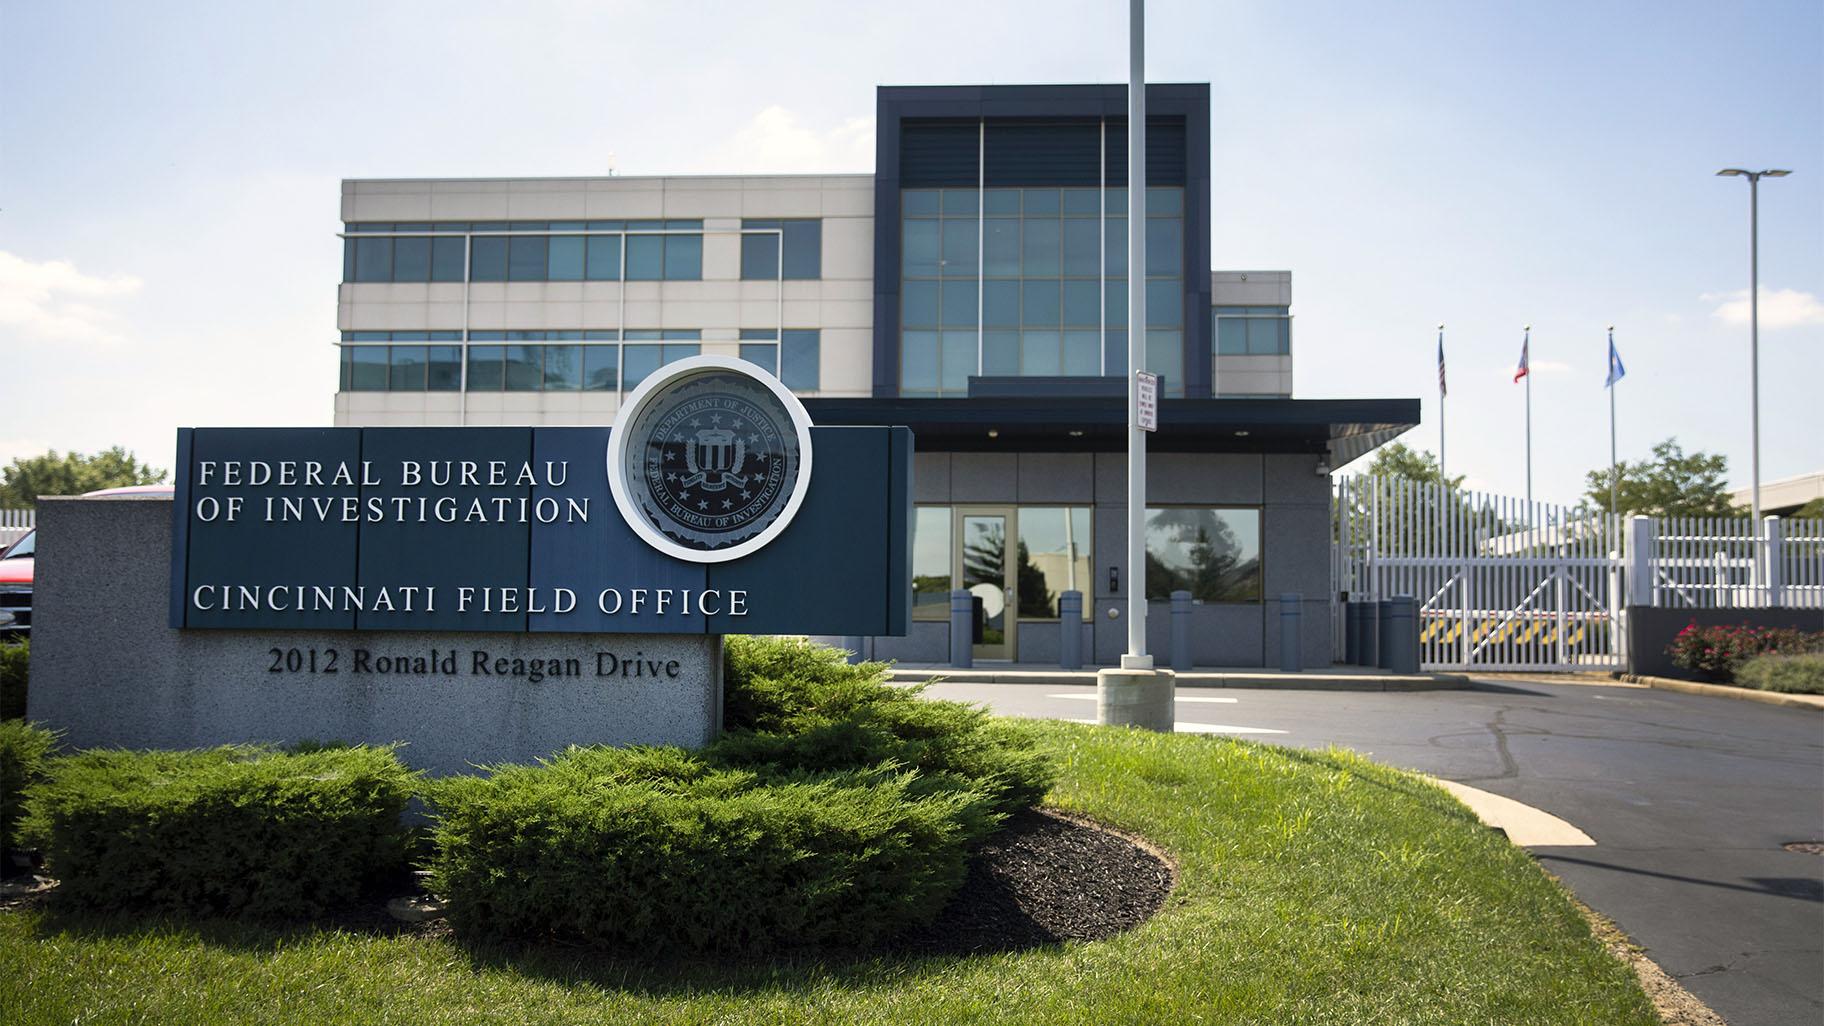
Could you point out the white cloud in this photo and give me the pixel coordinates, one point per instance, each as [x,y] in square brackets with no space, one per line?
[776,141]
[1780,308]
[52,301]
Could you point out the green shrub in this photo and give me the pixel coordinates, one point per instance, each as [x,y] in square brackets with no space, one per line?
[23,749]
[15,662]
[1800,674]
[661,850]
[238,830]
[795,705]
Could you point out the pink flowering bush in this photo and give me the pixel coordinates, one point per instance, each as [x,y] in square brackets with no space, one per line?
[1714,653]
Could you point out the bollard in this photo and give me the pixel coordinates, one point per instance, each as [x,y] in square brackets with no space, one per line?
[962,628]
[1181,631]
[1291,609]
[1381,611]
[1352,633]
[1370,654]
[1400,643]
[853,644]
[1070,630]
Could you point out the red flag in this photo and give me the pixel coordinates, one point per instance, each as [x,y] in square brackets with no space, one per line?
[1524,345]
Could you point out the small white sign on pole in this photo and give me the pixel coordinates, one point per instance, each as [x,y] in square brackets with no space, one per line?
[1149,400]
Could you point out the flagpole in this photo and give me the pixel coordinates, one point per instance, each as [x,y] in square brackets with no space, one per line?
[1526,355]
[1614,472]
[1443,472]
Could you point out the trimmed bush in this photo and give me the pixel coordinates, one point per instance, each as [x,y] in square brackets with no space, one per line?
[239,830]
[23,749]
[793,705]
[1799,674]
[15,664]
[1714,653]
[660,850]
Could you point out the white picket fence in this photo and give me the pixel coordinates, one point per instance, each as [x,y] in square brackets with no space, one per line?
[1502,584]
[14,523]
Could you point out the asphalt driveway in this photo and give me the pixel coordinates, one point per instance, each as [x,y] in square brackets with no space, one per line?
[1689,800]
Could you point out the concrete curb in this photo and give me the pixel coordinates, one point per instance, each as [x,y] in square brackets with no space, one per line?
[1273,681]
[1813,702]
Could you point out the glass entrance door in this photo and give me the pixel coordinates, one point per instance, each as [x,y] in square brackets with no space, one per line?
[985,567]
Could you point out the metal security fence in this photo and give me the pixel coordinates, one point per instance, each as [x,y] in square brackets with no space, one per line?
[1503,584]
[14,523]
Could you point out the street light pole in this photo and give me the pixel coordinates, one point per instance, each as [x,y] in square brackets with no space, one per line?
[1754,328]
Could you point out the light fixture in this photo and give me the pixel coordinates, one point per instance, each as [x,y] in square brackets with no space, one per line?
[1241,434]
[994,432]
[1076,433]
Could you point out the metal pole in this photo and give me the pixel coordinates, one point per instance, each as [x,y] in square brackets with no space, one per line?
[1136,657]
[1754,346]
[1526,347]
[1614,472]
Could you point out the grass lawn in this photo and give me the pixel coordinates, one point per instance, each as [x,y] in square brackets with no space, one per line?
[1313,889]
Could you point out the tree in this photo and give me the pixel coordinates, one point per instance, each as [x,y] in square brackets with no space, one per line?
[1813,510]
[26,478]
[1671,484]
[1396,460]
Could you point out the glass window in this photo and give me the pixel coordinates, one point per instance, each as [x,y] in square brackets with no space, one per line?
[1039,302]
[1114,237]
[1114,353]
[1054,557]
[348,262]
[760,252]
[1001,304]
[931,563]
[918,304]
[603,258]
[959,304]
[1041,201]
[373,260]
[567,257]
[407,369]
[961,203]
[1212,553]
[803,249]
[601,368]
[919,201]
[639,361]
[918,362]
[1164,303]
[800,359]
[1082,303]
[444,369]
[446,258]
[1001,353]
[1165,356]
[485,368]
[563,368]
[645,257]
[524,365]
[762,354]
[1083,353]
[1168,200]
[959,249]
[1164,247]
[1039,354]
[1001,248]
[1082,201]
[1114,292]
[1082,248]
[683,257]
[412,259]
[526,258]
[1231,336]
[488,258]
[959,361]
[1001,201]
[1039,248]
[367,370]
[918,248]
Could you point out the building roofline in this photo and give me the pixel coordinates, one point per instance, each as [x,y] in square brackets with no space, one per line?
[619,178]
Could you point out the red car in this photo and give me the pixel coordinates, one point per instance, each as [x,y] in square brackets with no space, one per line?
[17,561]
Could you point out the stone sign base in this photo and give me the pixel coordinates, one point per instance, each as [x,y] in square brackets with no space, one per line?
[108,671]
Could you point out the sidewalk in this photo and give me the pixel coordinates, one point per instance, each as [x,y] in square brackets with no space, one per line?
[1329,678]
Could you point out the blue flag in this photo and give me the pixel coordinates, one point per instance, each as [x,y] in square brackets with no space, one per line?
[1616,370]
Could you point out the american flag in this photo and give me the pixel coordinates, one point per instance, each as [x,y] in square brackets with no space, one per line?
[1442,390]
[1525,343]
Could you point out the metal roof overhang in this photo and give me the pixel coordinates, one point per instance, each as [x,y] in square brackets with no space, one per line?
[1344,429]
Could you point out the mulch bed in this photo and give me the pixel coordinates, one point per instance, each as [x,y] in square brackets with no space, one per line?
[1046,878]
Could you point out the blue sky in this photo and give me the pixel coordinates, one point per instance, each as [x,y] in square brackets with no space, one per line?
[168,185]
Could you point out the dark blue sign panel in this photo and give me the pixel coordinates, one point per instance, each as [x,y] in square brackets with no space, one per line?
[517,529]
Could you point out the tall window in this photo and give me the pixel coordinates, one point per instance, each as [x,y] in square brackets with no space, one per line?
[801,240]
[1053,558]
[1037,277]
[931,563]
[792,357]
[1212,553]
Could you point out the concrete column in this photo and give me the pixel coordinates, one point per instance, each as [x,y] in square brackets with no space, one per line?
[962,628]
[1773,557]
[1181,631]
[1400,643]
[1136,698]
[1383,631]
[853,644]
[1291,609]
[1070,630]
[1352,633]
[1368,617]
[1640,561]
